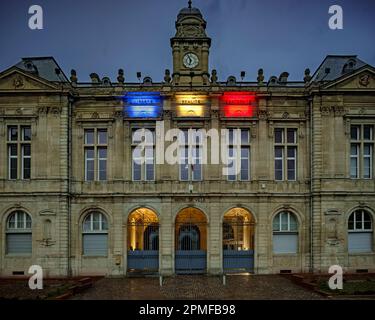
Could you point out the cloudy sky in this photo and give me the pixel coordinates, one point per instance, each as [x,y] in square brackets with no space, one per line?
[104,35]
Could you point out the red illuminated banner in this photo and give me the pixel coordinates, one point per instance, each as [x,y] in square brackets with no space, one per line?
[239,104]
[232,111]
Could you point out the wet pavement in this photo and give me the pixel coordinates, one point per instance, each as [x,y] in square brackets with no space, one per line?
[238,287]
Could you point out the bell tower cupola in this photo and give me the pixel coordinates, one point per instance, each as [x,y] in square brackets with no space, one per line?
[190,48]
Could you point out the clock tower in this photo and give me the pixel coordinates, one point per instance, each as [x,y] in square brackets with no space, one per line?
[190,48]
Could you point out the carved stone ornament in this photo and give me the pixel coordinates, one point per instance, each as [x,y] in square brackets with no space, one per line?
[118,114]
[95,115]
[56,111]
[43,111]
[18,82]
[215,113]
[325,111]
[337,111]
[190,31]
[364,81]
[286,115]
[254,129]
[167,114]
[263,114]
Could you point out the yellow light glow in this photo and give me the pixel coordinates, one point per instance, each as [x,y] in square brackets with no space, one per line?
[191,99]
[190,110]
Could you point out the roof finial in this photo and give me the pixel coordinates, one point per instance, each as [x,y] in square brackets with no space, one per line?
[190,2]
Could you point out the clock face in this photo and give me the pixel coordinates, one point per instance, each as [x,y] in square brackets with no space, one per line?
[190,60]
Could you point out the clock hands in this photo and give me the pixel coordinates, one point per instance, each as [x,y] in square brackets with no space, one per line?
[190,60]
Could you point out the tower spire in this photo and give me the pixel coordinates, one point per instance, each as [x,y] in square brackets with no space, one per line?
[189,2]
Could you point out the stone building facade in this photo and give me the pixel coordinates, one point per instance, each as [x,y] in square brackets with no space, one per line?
[73,201]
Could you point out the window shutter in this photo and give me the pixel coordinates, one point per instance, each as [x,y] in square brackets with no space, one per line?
[285,243]
[360,241]
[95,244]
[19,243]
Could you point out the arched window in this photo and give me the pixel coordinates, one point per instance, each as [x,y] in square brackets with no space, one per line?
[95,235]
[18,233]
[285,233]
[360,237]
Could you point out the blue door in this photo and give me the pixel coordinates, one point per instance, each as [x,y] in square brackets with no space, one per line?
[238,245]
[190,258]
[143,260]
[144,256]
[237,261]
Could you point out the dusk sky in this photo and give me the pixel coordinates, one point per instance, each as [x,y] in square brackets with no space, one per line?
[104,35]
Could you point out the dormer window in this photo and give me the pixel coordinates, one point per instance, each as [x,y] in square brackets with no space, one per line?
[147,81]
[231,81]
[349,66]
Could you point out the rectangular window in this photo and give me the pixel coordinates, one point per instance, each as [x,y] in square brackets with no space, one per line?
[361,151]
[190,154]
[89,164]
[291,162]
[95,149]
[143,154]
[19,152]
[238,154]
[279,163]
[102,163]
[26,161]
[285,154]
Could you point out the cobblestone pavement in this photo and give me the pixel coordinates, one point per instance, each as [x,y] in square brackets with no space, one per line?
[198,288]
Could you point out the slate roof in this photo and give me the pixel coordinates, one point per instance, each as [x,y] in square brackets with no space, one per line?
[335,66]
[44,67]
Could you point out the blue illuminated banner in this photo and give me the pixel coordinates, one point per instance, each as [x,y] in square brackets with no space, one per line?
[142,105]
[143,111]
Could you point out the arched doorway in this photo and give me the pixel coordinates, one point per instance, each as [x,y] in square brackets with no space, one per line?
[238,241]
[191,242]
[143,240]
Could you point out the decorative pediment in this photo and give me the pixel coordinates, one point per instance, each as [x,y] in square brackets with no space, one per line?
[190,31]
[15,79]
[362,79]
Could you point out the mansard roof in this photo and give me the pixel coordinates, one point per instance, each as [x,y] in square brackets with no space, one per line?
[45,67]
[335,66]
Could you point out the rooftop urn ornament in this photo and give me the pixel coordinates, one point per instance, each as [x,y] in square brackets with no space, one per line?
[260,77]
[120,76]
[190,3]
[214,76]
[94,78]
[283,78]
[307,77]
[73,76]
[167,76]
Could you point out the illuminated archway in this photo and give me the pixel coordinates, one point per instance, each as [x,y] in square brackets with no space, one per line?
[143,240]
[191,230]
[191,241]
[238,240]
